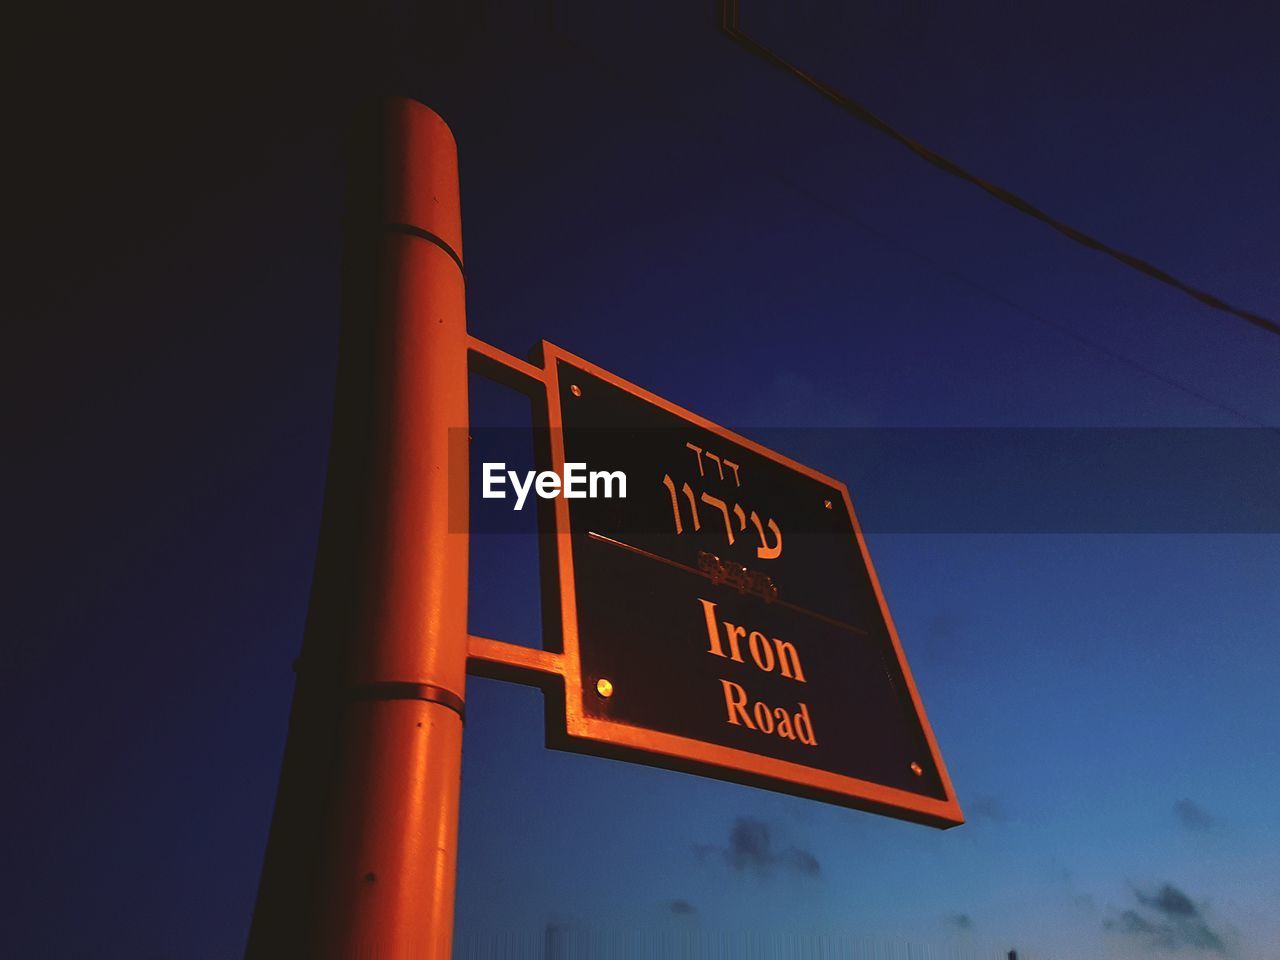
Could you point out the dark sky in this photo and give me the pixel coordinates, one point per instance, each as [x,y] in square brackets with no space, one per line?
[646,194]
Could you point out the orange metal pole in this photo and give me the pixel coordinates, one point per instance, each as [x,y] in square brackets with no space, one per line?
[361,860]
[391,878]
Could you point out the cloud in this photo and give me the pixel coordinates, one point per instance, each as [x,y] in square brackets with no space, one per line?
[1084,901]
[802,860]
[1131,922]
[1192,816]
[945,625]
[986,808]
[751,849]
[1168,919]
[682,907]
[1170,901]
[961,920]
[943,637]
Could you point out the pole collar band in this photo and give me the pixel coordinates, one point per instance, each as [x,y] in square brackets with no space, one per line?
[398,690]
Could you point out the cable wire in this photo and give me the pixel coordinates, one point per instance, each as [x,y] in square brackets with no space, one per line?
[669,109]
[729,26]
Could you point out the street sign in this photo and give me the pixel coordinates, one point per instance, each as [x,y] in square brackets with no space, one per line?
[727,623]
[724,617]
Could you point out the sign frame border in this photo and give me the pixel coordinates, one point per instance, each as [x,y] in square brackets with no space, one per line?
[584,734]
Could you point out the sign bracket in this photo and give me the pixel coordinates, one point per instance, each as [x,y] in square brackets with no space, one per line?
[500,660]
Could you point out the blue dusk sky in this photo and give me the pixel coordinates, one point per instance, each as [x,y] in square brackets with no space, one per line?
[645,193]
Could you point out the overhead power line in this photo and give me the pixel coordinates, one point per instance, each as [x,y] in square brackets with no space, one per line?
[670,109]
[729,26]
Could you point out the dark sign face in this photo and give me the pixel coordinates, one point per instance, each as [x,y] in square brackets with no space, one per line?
[724,617]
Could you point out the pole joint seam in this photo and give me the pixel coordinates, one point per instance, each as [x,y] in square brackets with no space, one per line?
[411,230]
[406,690]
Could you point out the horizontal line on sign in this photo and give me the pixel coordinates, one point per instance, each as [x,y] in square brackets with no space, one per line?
[639,551]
